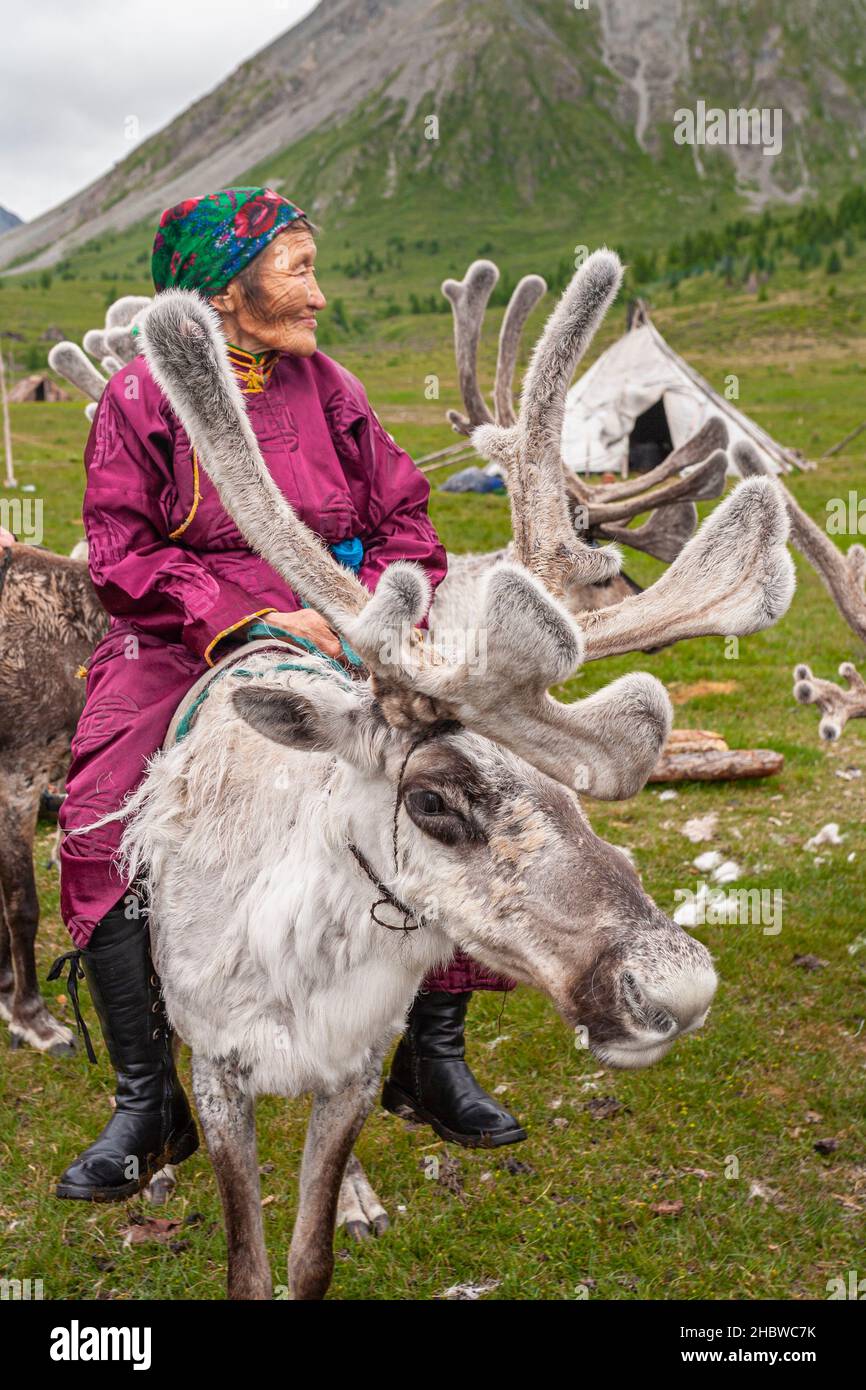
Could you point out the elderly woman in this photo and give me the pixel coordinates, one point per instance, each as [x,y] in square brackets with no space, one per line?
[181,585]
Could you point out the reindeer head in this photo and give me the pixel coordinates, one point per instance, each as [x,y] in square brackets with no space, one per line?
[487,813]
[479,846]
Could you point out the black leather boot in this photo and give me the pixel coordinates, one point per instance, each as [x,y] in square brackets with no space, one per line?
[152,1124]
[430,1079]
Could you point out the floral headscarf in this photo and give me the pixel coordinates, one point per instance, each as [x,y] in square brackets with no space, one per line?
[204,242]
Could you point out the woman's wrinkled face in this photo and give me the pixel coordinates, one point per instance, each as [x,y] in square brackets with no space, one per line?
[275,301]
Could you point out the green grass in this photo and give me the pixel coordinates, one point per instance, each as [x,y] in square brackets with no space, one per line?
[781,1063]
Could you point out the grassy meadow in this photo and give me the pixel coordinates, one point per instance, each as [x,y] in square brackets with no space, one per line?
[699,1178]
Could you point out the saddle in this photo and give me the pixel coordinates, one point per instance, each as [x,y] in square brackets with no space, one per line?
[263,638]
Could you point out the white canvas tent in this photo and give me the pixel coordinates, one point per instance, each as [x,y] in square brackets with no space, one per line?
[640,390]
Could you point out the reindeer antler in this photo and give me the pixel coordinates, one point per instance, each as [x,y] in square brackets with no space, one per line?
[124,311]
[469,298]
[111,346]
[837,706]
[544,536]
[68,361]
[844,577]
[528,292]
[712,436]
[705,483]
[608,742]
[594,509]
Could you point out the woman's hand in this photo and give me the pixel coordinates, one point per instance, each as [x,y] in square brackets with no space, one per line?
[309,624]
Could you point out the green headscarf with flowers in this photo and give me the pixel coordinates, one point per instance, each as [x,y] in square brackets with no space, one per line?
[204,242]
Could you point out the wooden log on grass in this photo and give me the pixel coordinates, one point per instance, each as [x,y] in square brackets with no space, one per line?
[717,765]
[699,755]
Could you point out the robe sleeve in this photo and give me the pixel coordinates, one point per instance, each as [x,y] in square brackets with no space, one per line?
[166,590]
[399,527]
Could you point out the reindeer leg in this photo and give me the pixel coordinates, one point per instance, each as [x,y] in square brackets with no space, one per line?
[21,1003]
[7,976]
[335,1123]
[227,1115]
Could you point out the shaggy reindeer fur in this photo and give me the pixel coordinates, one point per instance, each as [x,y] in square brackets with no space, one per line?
[273,965]
[49,621]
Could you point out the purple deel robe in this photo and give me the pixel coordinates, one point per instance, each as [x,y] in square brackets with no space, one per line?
[178,579]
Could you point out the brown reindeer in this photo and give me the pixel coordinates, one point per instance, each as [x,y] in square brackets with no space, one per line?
[50,620]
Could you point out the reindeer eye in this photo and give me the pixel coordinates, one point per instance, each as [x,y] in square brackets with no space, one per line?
[435,817]
[427,803]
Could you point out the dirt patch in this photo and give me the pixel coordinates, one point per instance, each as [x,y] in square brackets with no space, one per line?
[681,692]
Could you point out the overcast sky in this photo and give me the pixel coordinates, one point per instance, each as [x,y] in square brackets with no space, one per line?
[76,75]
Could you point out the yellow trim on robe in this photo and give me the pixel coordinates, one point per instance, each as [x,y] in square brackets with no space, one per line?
[252,370]
[234,627]
[173,535]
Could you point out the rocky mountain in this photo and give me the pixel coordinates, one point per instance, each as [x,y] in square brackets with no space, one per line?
[517,108]
[8,220]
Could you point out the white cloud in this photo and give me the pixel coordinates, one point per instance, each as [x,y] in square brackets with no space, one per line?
[73,75]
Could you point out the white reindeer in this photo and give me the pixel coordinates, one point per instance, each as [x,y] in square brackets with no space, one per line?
[316,843]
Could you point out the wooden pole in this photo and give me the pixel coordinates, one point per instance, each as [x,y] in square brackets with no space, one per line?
[7,428]
[842,442]
[446,463]
[441,453]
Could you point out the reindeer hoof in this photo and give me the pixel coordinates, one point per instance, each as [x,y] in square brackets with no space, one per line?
[43,1033]
[358,1230]
[161,1186]
[359,1209]
[380,1224]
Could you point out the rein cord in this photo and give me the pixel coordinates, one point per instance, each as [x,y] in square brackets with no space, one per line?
[409,914]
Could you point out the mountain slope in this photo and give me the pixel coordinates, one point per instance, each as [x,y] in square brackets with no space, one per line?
[8,220]
[538,104]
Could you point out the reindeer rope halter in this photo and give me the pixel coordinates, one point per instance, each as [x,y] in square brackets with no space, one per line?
[409,913]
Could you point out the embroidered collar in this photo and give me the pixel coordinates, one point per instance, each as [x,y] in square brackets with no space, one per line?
[253,370]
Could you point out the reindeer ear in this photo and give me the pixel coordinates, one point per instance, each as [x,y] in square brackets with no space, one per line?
[325,718]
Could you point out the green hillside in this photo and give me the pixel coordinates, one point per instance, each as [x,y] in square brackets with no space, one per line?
[500,118]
